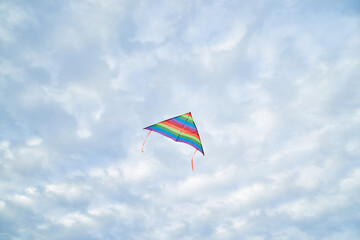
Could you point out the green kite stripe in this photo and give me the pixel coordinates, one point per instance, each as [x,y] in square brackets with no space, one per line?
[177,132]
[186,118]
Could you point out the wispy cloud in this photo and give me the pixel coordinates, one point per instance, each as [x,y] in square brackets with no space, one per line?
[273,88]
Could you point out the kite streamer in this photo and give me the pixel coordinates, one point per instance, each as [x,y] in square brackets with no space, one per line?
[192,160]
[142,149]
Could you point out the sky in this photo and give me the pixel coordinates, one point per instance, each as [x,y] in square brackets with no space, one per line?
[273,87]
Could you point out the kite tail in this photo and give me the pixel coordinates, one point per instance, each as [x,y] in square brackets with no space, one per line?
[192,160]
[142,149]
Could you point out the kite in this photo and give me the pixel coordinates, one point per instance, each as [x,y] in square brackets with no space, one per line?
[180,129]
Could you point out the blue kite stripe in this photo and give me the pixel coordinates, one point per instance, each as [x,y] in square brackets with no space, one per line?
[185,122]
[175,138]
[163,132]
[196,147]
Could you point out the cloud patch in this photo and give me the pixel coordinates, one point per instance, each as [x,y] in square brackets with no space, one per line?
[273,88]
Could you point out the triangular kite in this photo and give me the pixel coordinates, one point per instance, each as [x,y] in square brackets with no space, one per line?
[180,129]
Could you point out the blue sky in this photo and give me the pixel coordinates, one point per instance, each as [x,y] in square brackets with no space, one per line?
[273,87]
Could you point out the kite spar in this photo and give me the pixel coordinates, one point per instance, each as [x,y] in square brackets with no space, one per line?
[180,129]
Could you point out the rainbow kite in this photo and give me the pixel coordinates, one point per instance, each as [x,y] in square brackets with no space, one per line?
[180,129]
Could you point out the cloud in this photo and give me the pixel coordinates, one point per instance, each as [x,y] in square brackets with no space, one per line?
[273,88]
[14,18]
[84,104]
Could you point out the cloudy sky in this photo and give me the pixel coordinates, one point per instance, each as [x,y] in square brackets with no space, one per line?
[273,87]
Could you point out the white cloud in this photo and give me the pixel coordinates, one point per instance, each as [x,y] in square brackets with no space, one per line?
[273,87]
[67,191]
[5,147]
[116,210]
[333,200]
[130,68]
[12,17]
[74,218]
[22,200]
[351,183]
[34,141]
[21,160]
[309,177]
[138,170]
[292,233]
[248,93]
[230,41]
[2,205]
[307,209]
[83,103]
[9,71]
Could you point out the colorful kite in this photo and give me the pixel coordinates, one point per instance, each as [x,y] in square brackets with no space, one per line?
[180,129]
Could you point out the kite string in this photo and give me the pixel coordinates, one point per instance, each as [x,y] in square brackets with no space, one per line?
[192,160]
[142,149]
